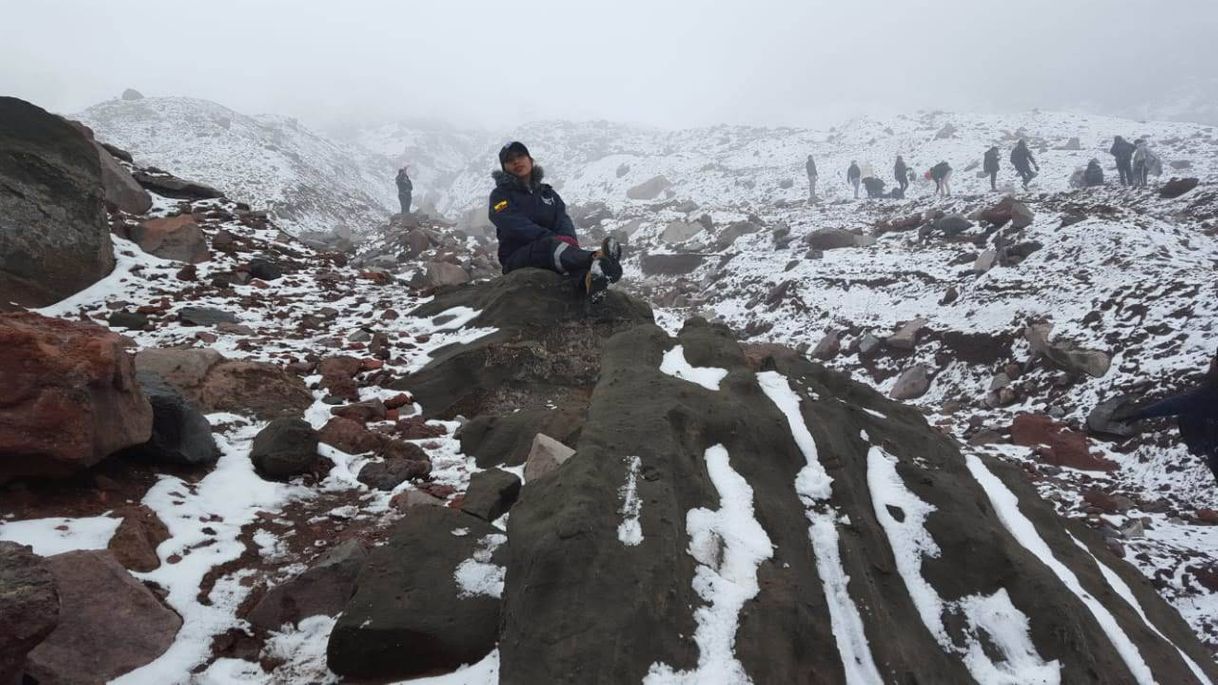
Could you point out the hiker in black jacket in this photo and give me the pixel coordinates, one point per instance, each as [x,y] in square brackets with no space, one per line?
[1024,162]
[1122,150]
[534,229]
[941,174]
[1196,413]
[990,166]
[901,172]
[405,188]
[810,166]
[1094,175]
[853,176]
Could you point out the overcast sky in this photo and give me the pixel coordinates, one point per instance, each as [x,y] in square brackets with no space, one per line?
[795,62]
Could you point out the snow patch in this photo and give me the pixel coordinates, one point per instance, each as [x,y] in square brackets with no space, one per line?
[629,531]
[728,544]
[478,576]
[52,536]
[1006,504]
[674,364]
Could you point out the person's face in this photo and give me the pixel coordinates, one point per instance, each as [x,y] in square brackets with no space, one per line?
[518,165]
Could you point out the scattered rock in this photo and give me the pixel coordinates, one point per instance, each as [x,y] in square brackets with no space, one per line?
[828,347]
[985,262]
[912,383]
[322,590]
[177,237]
[99,602]
[205,316]
[437,274]
[180,433]
[1065,355]
[135,541]
[127,320]
[649,189]
[670,264]
[680,231]
[1177,187]
[546,455]
[350,436]
[1100,422]
[177,188]
[1060,445]
[491,494]
[29,606]
[286,447]
[390,473]
[906,336]
[835,238]
[1008,210]
[71,396]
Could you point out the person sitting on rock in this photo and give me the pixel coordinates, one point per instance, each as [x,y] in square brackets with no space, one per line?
[941,174]
[1094,175]
[1024,162]
[1196,413]
[990,166]
[534,229]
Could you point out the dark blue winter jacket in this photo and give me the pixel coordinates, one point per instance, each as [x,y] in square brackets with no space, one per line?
[1196,413]
[526,212]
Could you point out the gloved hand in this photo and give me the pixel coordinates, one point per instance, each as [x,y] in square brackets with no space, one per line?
[568,240]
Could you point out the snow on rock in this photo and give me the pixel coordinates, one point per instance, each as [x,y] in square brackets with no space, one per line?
[728,545]
[994,615]
[1006,505]
[674,365]
[630,531]
[478,575]
[814,487]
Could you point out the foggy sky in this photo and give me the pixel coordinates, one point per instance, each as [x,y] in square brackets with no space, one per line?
[672,64]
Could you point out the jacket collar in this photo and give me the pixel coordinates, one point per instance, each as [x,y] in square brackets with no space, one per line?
[505,180]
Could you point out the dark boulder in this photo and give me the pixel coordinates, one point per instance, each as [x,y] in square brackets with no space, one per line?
[1177,187]
[671,264]
[180,432]
[169,185]
[130,321]
[491,494]
[426,602]
[390,473]
[505,440]
[54,236]
[321,590]
[205,316]
[265,269]
[286,447]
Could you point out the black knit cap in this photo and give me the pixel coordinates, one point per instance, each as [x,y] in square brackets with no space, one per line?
[513,148]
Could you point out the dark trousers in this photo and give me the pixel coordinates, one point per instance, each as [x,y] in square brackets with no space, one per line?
[404,199]
[993,180]
[1026,174]
[552,254]
[1125,169]
[903,181]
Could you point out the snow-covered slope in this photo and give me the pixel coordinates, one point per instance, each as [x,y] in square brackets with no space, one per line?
[306,181]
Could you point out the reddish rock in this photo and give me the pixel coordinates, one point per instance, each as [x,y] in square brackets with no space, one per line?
[1207,516]
[190,272]
[389,474]
[340,366]
[416,428]
[370,410]
[400,449]
[399,400]
[1107,503]
[29,606]
[110,624]
[350,436]
[371,364]
[70,396]
[1058,444]
[177,237]
[264,390]
[134,543]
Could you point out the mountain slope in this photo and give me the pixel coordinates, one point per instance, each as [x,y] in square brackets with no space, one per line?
[306,182]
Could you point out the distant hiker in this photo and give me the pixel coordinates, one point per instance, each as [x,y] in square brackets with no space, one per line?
[811,167]
[941,174]
[1123,150]
[1094,175]
[990,166]
[1024,162]
[853,176]
[405,188]
[874,186]
[1145,163]
[1196,413]
[901,173]
[534,229]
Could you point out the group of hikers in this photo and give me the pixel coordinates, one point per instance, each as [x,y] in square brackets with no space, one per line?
[1135,162]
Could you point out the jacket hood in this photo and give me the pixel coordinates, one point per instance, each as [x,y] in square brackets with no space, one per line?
[504,179]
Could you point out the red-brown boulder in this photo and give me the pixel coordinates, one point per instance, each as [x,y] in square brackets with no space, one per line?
[177,237]
[70,396]
[1056,443]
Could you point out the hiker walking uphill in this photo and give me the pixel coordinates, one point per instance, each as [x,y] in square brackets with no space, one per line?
[941,174]
[1196,413]
[853,176]
[534,229]
[901,172]
[405,189]
[1144,163]
[1024,162]
[1123,150]
[811,168]
[990,166]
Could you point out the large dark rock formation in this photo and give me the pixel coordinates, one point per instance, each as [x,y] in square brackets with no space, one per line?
[760,517]
[54,238]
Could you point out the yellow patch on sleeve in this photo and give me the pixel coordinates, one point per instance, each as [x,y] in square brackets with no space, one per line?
[501,205]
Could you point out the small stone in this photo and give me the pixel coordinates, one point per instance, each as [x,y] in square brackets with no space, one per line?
[546,455]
